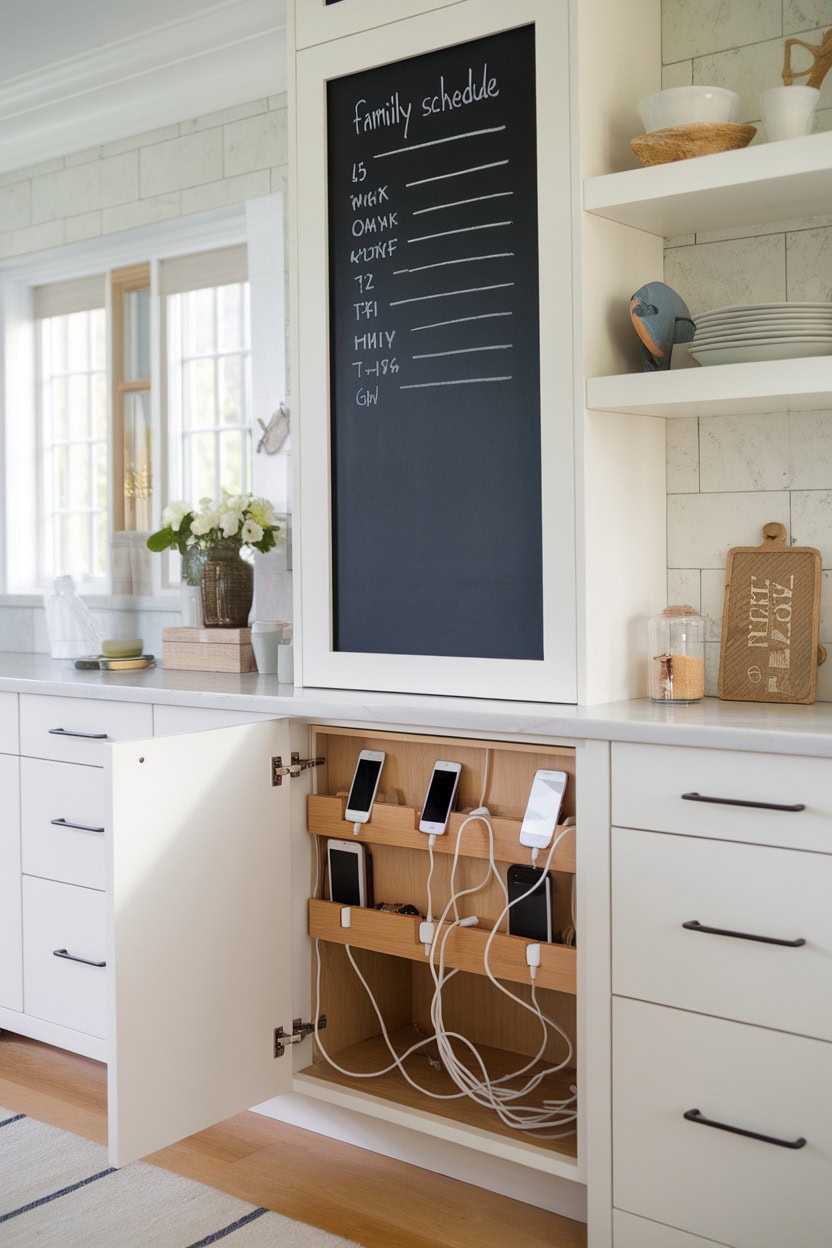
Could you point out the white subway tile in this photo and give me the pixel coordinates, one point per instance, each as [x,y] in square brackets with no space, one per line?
[717,275]
[146,139]
[83,158]
[192,160]
[812,521]
[713,600]
[281,100]
[226,191]
[809,265]
[280,180]
[811,450]
[17,629]
[256,143]
[679,74]
[770,227]
[682,455]
[802,15]
[712,652]
[744,452]
[15,206]
[824,689]
[84,188]
[34,238]
[85,225]
[702,528]
[691,29]
[228,115]
[142,212]
[684,587]
[31,171]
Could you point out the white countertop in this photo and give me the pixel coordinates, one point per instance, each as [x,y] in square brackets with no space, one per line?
[766,727]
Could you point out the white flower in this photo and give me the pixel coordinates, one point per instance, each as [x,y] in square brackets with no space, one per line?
[261,512]
[174,514]
[204,523]
[251,532]
[229,522]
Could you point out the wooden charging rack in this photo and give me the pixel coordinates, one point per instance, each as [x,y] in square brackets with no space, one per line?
[387,946]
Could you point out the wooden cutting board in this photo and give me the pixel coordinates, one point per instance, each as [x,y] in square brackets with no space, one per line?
[771,622]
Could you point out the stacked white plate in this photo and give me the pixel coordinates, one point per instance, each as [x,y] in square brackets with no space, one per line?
[762,331]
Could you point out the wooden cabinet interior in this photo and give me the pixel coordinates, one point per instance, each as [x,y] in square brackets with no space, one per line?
[387,947]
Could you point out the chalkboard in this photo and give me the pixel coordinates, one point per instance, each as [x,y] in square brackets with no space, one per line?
[434,353]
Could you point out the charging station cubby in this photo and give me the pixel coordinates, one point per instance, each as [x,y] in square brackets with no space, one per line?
[389,951]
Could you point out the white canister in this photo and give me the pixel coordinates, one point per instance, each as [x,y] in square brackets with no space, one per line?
[285,664]
[266,636]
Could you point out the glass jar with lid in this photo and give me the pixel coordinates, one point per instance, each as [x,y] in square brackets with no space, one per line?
[677,656]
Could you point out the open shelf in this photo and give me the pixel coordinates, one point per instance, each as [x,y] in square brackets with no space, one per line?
[398,935]
[766,182]
[398,826]
[373,1054]
[717,389]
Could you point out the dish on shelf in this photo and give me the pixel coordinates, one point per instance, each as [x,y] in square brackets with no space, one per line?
[682,106]
[700,138]
[785,306]
[758,352]
[744,332]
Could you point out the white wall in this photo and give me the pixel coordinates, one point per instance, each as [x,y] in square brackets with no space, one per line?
[726,477]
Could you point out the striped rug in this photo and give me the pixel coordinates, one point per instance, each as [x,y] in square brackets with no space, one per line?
[57,1191]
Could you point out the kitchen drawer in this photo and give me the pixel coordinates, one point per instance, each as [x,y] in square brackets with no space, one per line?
[661,882]
[70,993]
[73,851]
[648,782]
[76,730]
[8,724]
[11,974]
[744,1192]
[632,1232]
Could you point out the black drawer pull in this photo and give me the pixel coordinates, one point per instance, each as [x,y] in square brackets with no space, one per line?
[89,736]
[81,827]
[70,957]
[693,925]
[738,801]
[694,1115]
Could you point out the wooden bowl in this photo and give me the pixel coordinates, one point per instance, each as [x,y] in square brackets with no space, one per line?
[700,138]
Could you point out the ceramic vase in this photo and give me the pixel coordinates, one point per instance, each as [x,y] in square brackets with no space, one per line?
[227,588]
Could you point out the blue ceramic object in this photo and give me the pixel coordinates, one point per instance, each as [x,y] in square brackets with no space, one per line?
[660,318]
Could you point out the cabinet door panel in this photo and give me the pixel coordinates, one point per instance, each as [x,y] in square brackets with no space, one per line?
[630,1232]
[11,938]
[200,941]
[318,20]
[70,990]
[661,882]
[723,1186]
[77,730]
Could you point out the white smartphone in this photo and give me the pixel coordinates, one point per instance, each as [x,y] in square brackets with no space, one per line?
[348,873]
[439,799]
[364,786]
[543,808]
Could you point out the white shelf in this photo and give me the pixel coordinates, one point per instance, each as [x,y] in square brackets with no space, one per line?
[767,182]
[719,389]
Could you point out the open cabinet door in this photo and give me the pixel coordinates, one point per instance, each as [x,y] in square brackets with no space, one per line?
[200,951]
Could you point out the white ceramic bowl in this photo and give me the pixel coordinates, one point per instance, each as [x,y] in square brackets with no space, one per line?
[679,106]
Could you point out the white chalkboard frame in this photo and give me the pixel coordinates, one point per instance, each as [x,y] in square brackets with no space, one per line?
[316,21]
[554,678]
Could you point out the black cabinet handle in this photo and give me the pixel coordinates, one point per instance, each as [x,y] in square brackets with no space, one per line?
[70,957]
[694,1115]
[81,827]
[89,736]
[737,801]
[693,925]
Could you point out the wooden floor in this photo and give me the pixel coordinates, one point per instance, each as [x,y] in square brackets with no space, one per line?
[349,1191]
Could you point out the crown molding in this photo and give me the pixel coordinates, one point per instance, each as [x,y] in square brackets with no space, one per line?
[226,55]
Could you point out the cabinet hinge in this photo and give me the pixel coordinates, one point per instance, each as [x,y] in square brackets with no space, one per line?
[296,766]
[300,1031]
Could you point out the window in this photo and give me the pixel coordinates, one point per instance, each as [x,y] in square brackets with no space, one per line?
[208,330]
[72,436]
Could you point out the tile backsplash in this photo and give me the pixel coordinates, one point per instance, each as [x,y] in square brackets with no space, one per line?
[728,476]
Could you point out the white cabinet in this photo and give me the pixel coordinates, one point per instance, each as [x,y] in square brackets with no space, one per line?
[11,964]
[64,955]
[8,723]
[319,20]
[64,818]
[721,866]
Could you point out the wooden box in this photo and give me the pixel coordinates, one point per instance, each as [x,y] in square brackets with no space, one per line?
[208,649]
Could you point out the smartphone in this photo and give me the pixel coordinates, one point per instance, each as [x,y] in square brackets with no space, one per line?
[543,808]
[364,786]
[440,797]
[350,873]
[531,917]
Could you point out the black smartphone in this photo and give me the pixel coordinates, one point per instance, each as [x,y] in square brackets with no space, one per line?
[532,916]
